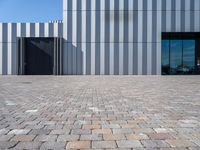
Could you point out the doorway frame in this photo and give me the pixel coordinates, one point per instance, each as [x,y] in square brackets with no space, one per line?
[57,59]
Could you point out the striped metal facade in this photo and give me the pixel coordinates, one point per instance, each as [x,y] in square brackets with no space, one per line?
[122,36]
[8,44]
[107,37]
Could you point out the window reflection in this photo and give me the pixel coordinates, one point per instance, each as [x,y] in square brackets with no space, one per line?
[175,55]
[178,57]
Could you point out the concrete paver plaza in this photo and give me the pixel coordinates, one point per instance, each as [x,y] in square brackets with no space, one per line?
[100,112]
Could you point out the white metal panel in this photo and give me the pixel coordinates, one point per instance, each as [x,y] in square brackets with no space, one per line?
[28,29]
[1,32]
[178,5]
[197,21]
[102,37]
[18,29]
[187,21]
[140,5]
[65,5]
[130,39]
[140,60]
[121,55]
[93,49]
[46,29]
[140,26]
[130,58]
[178,21]
[56,30]
[84,35]
[9,59]
[65,24]
[168,5]
[158,62]
[187,5]
[197,5]
[149,36]
[10,32]
[121,37]
[168,21]
[74,22]
[37,30]
[112,20]
[159,5]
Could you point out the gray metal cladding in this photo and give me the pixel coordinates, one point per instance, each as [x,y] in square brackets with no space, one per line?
[8,35]
[107,37]
[122,36]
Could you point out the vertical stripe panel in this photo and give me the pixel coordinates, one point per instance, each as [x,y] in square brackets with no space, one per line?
[168,15]
[28,29]
[93,49]
[121,36]
[102,38]
[79,37]
[55,29]
[37,30]
[74,33]
[1,54]
[107,38]
[5,48]
[130,38]
[140,32]
[97,36]
[84,35]
[46,29]
[159,37]
[149,36]
[112,19]
[9,52]
[187,15]
[178,16]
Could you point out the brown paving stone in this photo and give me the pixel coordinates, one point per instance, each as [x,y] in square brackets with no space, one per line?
[112,137]
[101,131]
[160,136]
[78,145]
[91,126]
[23,138]
[140,136]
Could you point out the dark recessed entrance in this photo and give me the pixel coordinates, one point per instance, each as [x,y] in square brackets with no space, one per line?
[39,56]
[180,53]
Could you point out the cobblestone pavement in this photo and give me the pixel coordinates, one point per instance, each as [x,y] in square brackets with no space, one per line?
[100,112]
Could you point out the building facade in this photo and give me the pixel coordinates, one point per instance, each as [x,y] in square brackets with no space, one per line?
[117,37]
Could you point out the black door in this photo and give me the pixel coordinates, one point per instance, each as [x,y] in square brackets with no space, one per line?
[39,56]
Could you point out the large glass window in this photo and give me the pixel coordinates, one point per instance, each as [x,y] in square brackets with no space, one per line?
[188,56]
[175,55]
[178,57]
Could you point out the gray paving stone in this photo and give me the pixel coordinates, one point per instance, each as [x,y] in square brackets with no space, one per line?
[7,145]
[104,144]
[19,131]
[53,145]
[154,110]
[155,143]
[64,138]
[28,145]
[129,144]
[122,131]
[44,138]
